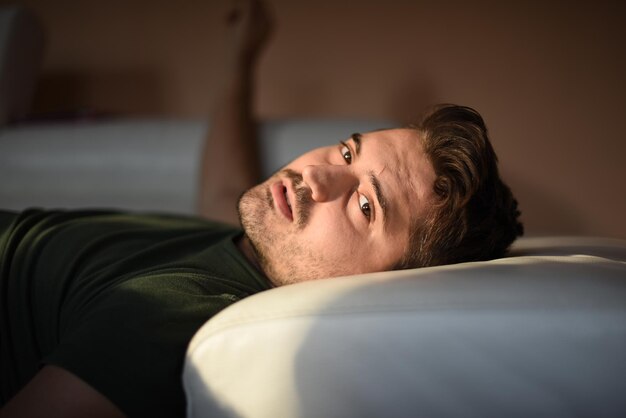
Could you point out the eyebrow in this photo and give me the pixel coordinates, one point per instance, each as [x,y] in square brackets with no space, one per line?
[356,138]
[382,200]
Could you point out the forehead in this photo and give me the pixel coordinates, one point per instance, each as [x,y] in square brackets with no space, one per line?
[398,158]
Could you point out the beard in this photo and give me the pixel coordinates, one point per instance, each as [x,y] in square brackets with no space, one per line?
[255,203]
[277,249]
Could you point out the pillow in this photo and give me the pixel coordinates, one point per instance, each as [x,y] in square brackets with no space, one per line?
[540,333]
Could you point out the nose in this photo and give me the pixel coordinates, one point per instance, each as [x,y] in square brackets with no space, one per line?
[328,182]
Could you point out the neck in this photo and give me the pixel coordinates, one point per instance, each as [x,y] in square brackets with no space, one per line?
[247,249]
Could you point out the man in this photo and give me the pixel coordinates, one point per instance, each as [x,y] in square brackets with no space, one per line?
[98,307]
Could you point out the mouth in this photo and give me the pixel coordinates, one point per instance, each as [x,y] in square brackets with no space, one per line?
[282,202]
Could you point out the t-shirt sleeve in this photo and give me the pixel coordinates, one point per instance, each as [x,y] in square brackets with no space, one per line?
[130,343]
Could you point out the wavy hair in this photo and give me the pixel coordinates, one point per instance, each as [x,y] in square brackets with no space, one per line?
[475,216]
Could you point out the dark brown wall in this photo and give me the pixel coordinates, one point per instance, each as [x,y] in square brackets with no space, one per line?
[547,76]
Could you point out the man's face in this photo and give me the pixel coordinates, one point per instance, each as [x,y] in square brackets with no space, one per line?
[340,210]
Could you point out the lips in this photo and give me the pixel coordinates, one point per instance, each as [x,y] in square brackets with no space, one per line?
[280,194]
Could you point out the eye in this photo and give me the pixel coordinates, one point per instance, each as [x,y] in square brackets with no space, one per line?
[364,204]
[346,153]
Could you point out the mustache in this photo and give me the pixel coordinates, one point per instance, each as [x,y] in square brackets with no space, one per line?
[304,201]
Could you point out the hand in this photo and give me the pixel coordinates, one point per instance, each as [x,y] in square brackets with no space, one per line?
[250,26]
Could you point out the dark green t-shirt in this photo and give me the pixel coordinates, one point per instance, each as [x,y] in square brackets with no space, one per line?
[113,298]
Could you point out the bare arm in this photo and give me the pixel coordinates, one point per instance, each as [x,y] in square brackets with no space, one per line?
[230,159]
[55,392]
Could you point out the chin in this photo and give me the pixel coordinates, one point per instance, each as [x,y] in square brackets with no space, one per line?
[283,257]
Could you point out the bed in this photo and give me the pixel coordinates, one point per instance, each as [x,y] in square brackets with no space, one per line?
[541,332]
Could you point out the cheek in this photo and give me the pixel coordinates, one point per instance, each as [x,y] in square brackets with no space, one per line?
[332,234]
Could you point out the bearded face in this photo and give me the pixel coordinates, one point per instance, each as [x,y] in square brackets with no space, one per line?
[339,210]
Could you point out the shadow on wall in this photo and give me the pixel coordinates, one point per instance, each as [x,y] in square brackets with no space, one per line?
[543,212]
[412,100]
[66,92]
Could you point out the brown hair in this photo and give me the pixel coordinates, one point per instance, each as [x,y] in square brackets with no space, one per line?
[475,216]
